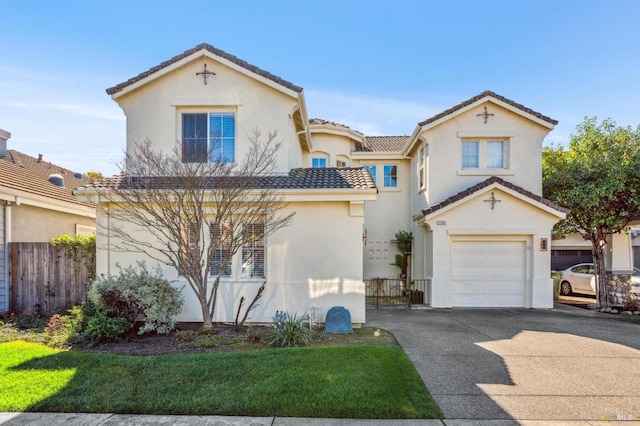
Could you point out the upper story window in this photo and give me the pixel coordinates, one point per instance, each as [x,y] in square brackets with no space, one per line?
[209,137]
[340,163]
[317,163]
[485,154]
[495,155]
[470,155]
[372,172]
[422,160]
[391,176]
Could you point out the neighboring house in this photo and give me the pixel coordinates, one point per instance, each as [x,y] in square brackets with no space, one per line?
[466,182]
[37,204]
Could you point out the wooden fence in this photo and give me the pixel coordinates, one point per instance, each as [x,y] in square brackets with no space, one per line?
[47,279]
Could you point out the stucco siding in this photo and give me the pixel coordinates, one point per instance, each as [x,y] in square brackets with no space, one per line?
[445,174]
[475,220]
[317,261]
[33,224]
[154,111]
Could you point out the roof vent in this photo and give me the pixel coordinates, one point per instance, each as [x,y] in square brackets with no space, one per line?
[56,179]
[77,175]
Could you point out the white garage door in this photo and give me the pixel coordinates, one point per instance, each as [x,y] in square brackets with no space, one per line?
[488,273]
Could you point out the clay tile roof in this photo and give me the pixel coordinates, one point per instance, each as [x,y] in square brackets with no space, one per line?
[494,179]
[22,172]
[483,95]
[310,178]
[320,121]
[383,144]
[204,46]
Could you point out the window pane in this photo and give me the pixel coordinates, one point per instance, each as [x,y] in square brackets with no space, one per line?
[221,235]
[253,250]
[318,163]
[222,136]
[390,176]
[470,155]
[194,137]
[372,172]
[495,155]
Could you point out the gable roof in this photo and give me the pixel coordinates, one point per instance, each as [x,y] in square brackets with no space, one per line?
[492,180]
[487,93]
[21,172]
[302,178]
[209,48]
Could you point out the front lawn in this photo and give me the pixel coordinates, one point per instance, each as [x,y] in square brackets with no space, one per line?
[323,381]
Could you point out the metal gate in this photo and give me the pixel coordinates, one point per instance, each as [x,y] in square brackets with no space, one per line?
[396,292]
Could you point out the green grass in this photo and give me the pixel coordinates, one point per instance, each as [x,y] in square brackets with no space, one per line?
[333,381]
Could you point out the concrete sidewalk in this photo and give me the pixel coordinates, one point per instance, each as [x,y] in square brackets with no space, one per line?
[84,419]
[561,365]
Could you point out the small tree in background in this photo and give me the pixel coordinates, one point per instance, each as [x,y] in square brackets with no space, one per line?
[195,216]
[404,241]
[598,179]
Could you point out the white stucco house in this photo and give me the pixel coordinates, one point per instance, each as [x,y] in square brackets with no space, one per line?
[467,183]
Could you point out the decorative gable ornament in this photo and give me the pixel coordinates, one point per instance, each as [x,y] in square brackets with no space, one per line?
[206,74]
[484,114]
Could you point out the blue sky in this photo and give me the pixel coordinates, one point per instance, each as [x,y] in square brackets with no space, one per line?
[378,67]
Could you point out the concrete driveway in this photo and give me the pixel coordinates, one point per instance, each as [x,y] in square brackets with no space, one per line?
[522,364]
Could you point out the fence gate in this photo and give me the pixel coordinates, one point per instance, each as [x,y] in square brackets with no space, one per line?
[396,292]
[45,278]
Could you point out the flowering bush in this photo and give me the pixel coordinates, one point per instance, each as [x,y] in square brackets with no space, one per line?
[137,292]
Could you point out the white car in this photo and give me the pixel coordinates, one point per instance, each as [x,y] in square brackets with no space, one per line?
[580,278]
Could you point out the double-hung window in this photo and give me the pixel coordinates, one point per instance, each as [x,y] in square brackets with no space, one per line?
[470,155]
[253,250]
[221,236]
[391,176]
[209,137]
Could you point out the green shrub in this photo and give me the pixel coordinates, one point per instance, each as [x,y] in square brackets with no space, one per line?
[136,291]
[101,327]
[289,330]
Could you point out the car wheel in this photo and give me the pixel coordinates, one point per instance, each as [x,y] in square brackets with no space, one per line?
[565,288]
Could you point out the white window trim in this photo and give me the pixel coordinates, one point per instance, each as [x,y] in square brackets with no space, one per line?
[195,108]
[482,169]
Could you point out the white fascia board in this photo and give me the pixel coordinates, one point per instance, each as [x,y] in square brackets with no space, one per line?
[309,195]
[493,100]
[4,134]
[170,68]
[302,102]
[339,131]
[25,198]
[289,195]
[484,190]
[413,140]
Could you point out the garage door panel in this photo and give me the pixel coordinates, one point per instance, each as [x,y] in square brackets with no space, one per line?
[488,273]
[469,300]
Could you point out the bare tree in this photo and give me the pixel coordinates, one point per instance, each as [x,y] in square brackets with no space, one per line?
[195,216]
